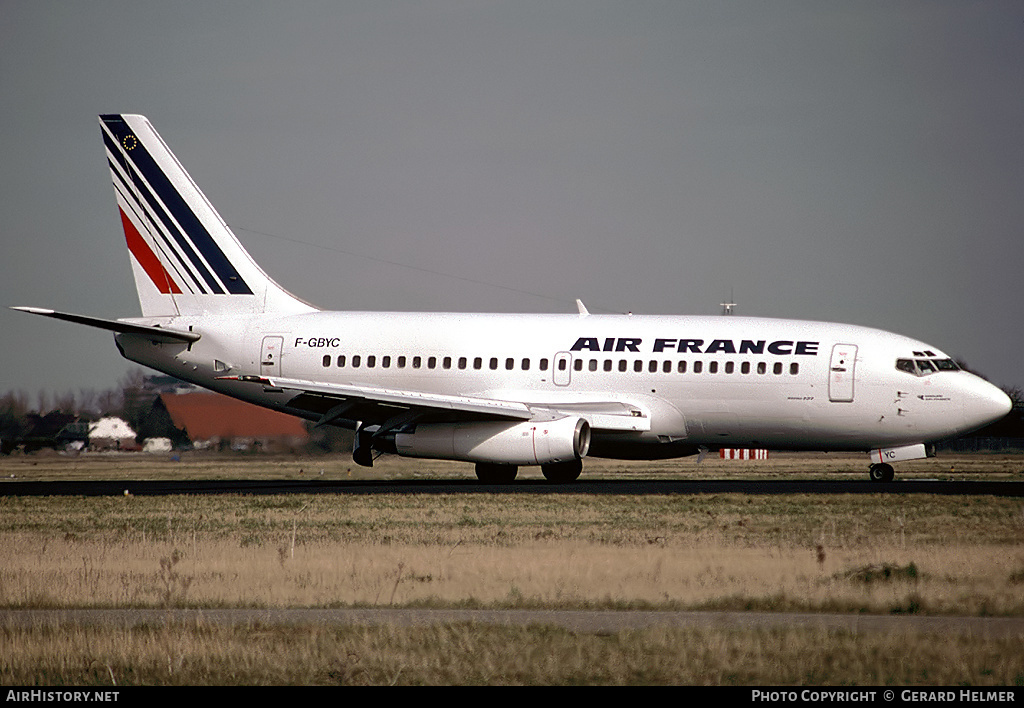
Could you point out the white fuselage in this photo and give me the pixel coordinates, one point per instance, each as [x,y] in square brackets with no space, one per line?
[693,381]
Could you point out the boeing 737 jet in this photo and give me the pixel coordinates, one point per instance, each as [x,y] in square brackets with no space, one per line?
[508,390]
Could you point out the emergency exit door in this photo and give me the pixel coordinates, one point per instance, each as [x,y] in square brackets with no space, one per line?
[561,370]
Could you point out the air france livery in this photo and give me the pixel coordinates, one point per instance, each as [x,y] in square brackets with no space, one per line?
[507,390]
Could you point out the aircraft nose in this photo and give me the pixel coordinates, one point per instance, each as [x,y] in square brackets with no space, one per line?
[984,403]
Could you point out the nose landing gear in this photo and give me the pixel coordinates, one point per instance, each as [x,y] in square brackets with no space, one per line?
[881,472]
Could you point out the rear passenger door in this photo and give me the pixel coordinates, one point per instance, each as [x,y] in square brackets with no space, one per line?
[270,356]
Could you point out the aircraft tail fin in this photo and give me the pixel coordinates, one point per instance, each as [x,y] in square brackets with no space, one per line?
[185,259]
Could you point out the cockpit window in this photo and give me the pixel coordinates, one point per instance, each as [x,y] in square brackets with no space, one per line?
[906,365]
[924,367]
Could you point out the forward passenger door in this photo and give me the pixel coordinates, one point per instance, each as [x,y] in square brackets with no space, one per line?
[841,373]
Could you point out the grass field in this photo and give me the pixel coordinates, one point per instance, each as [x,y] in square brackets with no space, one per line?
[876,553]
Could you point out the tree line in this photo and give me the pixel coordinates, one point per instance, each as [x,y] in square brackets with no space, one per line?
[51,419]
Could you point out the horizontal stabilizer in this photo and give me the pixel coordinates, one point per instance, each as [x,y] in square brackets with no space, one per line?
[153,332]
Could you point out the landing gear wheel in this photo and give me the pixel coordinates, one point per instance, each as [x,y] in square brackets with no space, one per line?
[363,456]
[491,473]
[881,472]
[562,472]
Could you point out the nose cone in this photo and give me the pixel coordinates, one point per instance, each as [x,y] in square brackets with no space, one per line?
[984,403]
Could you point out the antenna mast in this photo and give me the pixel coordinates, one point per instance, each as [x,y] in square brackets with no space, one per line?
[727,307]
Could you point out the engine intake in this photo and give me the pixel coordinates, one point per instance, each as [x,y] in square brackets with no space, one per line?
[530,443]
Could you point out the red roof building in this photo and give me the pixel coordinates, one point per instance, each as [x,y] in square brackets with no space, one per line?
[213,419]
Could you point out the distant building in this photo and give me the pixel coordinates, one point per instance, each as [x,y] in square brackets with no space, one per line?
[111,434]
[213,421]
[157,445]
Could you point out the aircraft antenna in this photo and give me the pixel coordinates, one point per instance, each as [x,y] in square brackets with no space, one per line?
[727,307]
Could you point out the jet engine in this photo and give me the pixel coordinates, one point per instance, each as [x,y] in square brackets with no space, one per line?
[530,443]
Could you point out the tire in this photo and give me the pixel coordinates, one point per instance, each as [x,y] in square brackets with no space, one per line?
[562,472]
[881,472]
[492,473]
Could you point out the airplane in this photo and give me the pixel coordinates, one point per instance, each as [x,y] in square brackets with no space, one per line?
[510,390]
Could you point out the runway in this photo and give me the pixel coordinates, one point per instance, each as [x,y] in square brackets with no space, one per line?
[12,488]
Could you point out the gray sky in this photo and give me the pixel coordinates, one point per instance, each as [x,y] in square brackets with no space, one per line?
[858,162]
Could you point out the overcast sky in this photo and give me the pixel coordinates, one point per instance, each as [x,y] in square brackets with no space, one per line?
[858,162]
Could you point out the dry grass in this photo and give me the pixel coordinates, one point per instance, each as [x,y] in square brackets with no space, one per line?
[848,553]
[469,654]
[508,550]
[969,579]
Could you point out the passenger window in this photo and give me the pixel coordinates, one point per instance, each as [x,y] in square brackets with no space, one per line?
[526,364]
[416,362]
[401,362]
[446,363]
[638,366]
[729,367]
[478,363]
[578,365]
[385,362]
[794,369]
[462,362]
[510,364]
[371,361]
[698,366]
[543,365]
[607,364]
[713,367]
[682,367]
[356,360]
[762,368]
[745,367]
[622,364]
[653,366]
[327,360]
[593,365]
[432,362]
[777,369]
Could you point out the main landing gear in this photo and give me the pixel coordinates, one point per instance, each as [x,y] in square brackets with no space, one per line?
[558,472]
[562,472]
[881,472]
[493,473]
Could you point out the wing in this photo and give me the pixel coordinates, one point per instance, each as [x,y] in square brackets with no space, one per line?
[390,408]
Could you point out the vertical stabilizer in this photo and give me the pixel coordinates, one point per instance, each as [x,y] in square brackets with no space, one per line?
[184,257]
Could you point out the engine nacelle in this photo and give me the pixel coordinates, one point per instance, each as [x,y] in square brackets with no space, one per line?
[530,443]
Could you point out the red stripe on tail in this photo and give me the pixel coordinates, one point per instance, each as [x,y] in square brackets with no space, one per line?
[147,259]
